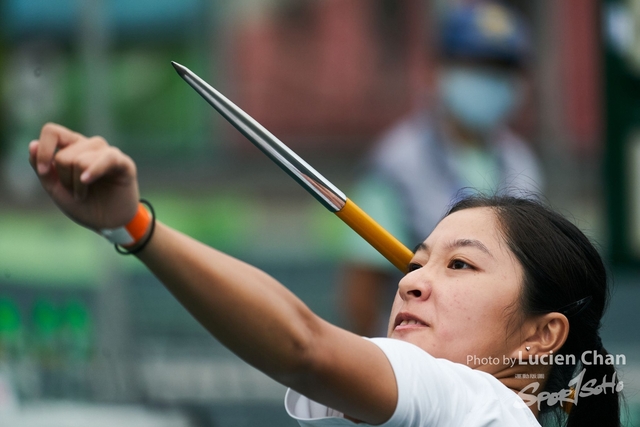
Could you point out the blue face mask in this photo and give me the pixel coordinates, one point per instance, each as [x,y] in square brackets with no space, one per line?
[479,99]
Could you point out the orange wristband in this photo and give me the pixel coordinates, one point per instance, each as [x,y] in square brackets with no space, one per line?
[131,233]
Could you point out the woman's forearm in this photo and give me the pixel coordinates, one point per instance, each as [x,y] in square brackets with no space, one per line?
[243,307]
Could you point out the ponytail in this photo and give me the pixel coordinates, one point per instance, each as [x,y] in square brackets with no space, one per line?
[603,409]
[595,392]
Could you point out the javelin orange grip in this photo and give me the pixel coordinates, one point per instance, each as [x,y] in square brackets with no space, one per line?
[390,247]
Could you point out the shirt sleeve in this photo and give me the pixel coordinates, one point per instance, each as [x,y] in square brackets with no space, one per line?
[430,391]
[306,411]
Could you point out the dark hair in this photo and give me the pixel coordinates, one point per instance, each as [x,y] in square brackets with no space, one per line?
[563,272]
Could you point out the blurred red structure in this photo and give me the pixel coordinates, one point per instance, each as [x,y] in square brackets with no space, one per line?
[579,35]
[331,71]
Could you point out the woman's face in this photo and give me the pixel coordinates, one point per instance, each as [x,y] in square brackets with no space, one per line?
[458,301]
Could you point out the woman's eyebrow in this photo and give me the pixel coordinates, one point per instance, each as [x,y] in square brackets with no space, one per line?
[461,243]
[420,247]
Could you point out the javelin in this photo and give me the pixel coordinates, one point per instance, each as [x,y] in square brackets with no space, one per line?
[319,187]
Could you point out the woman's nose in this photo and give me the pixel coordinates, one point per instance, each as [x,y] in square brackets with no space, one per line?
[414,285]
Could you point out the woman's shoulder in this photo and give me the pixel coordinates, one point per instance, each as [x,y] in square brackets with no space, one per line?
[452,391]
[405,356]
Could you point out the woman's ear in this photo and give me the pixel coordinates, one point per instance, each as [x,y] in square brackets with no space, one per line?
[544,334]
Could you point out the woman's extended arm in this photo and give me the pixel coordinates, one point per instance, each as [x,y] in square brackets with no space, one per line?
[247,310]
[266,325]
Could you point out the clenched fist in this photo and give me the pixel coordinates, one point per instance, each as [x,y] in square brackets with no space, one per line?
[92,182]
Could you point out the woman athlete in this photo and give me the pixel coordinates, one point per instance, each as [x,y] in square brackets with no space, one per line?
[487,328]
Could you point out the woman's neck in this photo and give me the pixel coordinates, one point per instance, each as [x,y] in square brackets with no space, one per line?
[528,381]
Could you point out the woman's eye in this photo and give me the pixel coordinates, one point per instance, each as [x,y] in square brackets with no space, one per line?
[413,267]
[457,264]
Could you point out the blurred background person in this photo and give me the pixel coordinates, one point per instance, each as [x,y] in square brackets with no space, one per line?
[460,143]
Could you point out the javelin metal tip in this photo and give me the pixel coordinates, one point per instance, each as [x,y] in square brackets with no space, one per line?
[323,190]
[181,69]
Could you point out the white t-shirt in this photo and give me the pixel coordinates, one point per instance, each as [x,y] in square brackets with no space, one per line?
[431,392]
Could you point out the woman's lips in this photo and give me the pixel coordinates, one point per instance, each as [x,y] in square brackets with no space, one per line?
[406,325]
[406,321]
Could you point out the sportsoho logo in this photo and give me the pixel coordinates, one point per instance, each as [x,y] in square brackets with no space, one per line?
[577,388]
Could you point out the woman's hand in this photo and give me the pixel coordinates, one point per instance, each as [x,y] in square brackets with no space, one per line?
[92,182]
